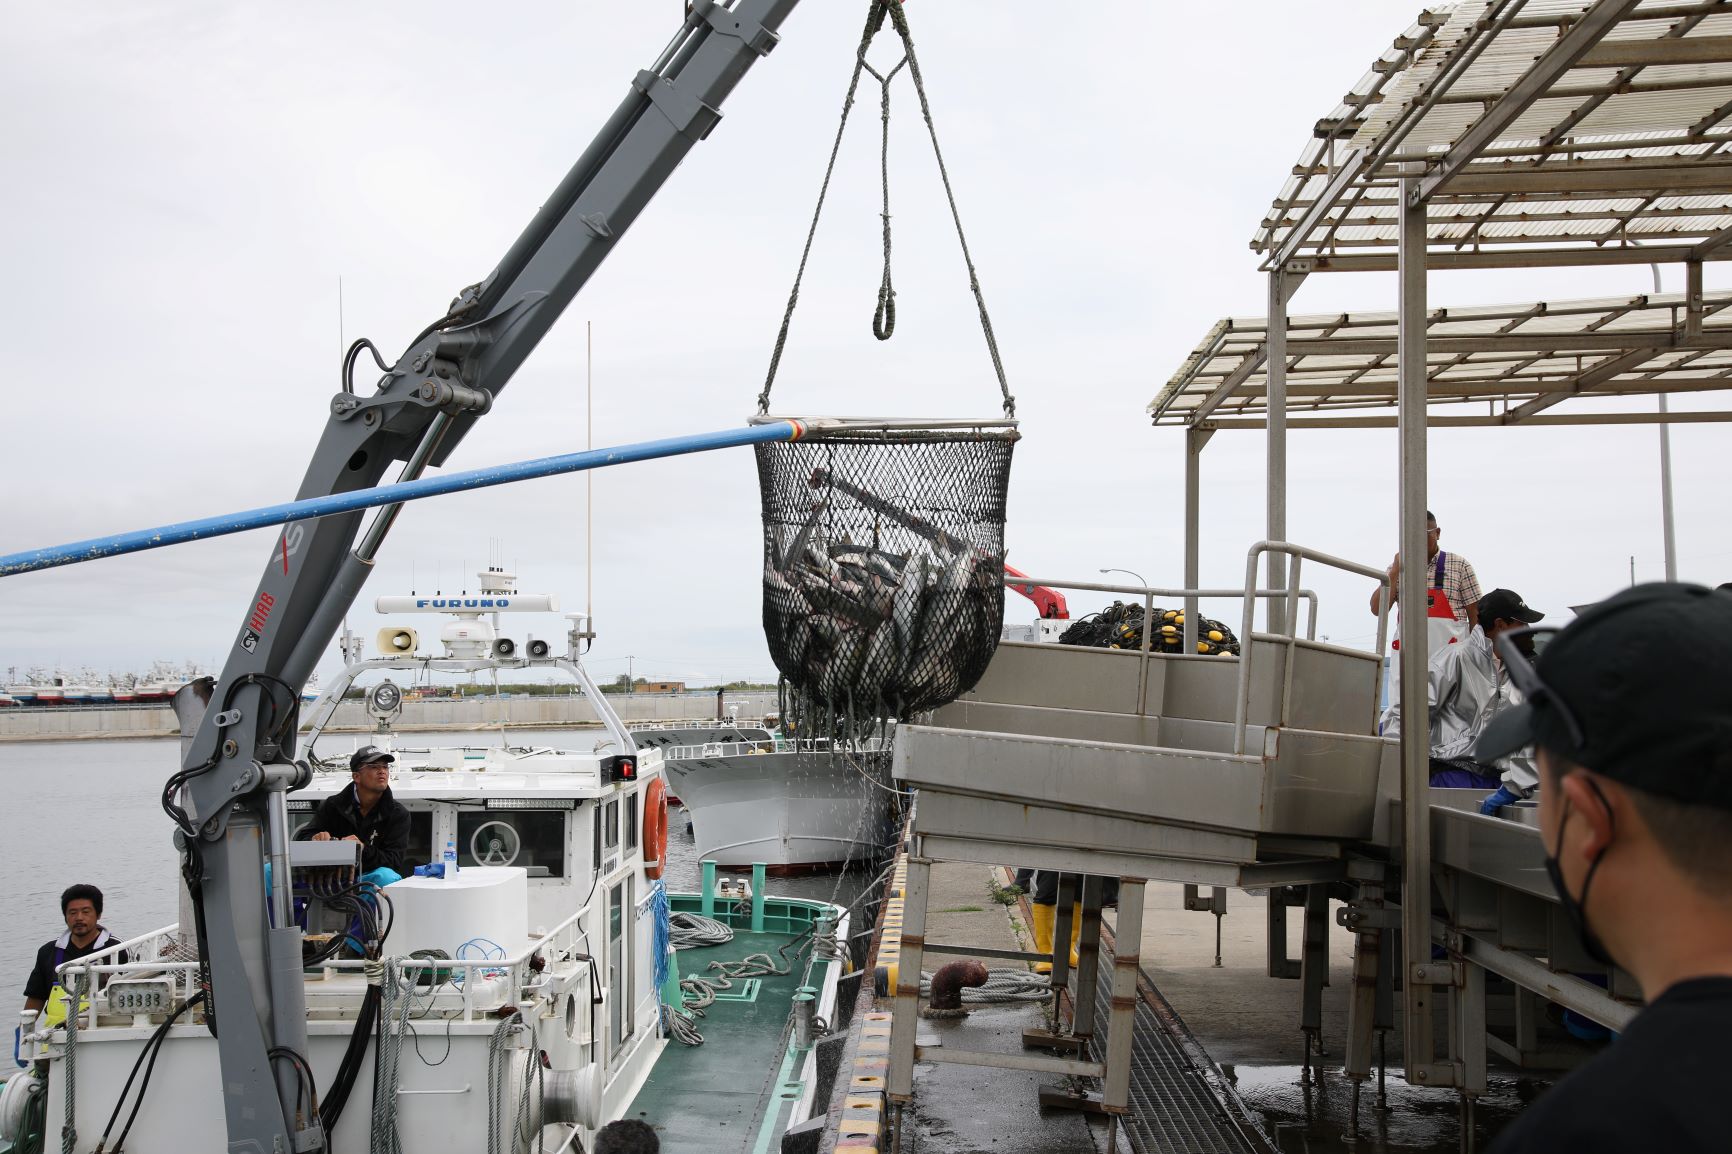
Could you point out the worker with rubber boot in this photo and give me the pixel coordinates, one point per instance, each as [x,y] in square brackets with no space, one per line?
[1043,912]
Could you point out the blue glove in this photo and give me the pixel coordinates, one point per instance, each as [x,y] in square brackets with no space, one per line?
[1504,796]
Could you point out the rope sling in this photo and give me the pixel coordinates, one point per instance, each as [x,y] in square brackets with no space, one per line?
[883,541]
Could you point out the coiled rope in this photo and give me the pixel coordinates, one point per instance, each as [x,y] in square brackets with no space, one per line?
[69,1131]
[526,1121]
[691,931]
[1001,986]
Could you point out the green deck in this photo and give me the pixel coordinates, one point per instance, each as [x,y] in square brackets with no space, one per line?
[710,1097]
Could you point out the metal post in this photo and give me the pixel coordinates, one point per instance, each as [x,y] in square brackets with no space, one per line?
[1314,966]
[1121,1018]
[1692,330]
[1064,913]
[1088,958]
[758,873]
[1195,439]
[1275,370]
[708,892]
[905,1011]
[1415,716]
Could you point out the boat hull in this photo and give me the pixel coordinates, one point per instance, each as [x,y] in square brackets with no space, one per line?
[790,811]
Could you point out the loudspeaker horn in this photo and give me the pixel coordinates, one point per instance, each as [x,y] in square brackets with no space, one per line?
[504,647]
[537,650]
[393,641]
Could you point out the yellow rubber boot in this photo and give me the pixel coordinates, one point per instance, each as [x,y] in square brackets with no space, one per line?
[1044,918]
[1075,930]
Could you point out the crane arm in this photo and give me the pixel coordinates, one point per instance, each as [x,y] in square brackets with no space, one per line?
[1050,602]
[238,759]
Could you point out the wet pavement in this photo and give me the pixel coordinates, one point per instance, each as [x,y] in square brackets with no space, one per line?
[1312,1115]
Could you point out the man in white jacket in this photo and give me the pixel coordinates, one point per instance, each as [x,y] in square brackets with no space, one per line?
[1466,687]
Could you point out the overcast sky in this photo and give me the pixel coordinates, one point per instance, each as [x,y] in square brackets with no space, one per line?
[185,182]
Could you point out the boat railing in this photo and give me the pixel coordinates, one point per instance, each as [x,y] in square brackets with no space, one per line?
[714,749]
[500,978]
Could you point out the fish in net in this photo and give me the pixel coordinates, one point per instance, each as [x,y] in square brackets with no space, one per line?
[883,568]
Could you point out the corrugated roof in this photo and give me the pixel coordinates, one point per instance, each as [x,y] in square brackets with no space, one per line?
[1606,126]
[1508,362]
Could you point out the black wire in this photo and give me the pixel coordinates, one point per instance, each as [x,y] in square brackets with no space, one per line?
[343,1082]
[349,358]
[153,1040]
[154,1047]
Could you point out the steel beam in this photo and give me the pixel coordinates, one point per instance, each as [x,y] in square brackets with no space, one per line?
[1415,711]
[1584,255]
[1275,482]
[1600,372]
[1195,440]
[1623,340]
[1672,179]
[1565,53]
[1446,422]
[1670,50]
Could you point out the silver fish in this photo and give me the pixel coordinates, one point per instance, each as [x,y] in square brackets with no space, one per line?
[798,545]
[879,663]
[905,606]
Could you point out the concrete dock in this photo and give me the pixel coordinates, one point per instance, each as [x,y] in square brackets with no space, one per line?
[1232,1051]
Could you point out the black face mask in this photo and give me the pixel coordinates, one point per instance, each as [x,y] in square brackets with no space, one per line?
[1575,909]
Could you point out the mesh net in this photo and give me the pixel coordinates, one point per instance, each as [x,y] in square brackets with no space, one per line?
[1120,626]
[883,569]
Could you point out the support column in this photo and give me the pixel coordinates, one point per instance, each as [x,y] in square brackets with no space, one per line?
[1121,1019]
[1314,968]
[905,1011]
[1415,716]
[1195,439]
[1275,370]
[1088,951]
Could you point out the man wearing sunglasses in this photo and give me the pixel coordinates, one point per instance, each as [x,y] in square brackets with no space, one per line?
[1630,711]
[1466,688]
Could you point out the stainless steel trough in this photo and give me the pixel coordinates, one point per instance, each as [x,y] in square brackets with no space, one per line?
[1200,767]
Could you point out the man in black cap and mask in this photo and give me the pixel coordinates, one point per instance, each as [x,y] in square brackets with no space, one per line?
[1630,711]
[366,812]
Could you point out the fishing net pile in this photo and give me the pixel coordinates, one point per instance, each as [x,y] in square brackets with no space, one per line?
[1120,626]
[883,569]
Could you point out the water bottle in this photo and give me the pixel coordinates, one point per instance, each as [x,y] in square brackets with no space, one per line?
[450,859]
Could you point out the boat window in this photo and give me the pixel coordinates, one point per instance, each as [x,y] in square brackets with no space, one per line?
[610,825]
[531,838]
[631,821]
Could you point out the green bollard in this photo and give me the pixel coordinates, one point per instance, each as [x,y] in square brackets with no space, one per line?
[708,908]
[757,897]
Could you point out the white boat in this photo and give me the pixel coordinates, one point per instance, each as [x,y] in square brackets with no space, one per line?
[545,1019]
[793,804]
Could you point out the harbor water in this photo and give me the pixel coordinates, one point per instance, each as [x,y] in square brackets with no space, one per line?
[90,811]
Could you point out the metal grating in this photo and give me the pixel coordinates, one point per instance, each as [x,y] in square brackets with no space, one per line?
[1179,1107]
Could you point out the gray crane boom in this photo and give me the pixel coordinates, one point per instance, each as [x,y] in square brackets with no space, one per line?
[228,798]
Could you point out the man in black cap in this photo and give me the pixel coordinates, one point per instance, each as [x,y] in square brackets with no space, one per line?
[1466,687]
[1630,711]
[365,812]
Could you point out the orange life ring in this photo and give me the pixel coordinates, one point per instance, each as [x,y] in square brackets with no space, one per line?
[655,827]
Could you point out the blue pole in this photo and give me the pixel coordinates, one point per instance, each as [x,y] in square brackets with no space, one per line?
[184,531]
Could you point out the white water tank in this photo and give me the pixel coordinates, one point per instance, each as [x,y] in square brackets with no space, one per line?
[482,902]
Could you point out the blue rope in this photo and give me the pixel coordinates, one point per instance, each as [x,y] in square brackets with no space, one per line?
[664,946]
